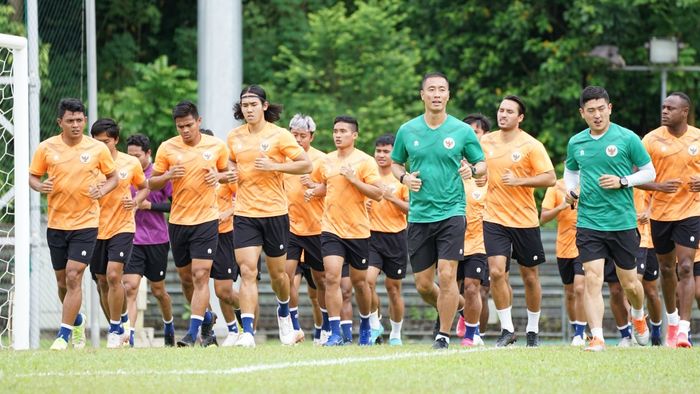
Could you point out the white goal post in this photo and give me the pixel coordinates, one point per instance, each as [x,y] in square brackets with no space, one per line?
[17,126]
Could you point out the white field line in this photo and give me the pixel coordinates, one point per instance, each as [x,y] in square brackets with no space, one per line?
[256,368]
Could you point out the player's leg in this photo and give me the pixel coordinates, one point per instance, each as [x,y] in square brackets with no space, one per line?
[333,266]
[346,309]
[696,273]
[593,301]
[374,322]
[228,302]
[396,309]
[498,249]
[320,281]
[661,233]
[648,274]
[312,292]
[294,272]
[624,246]
[155,269]
[134,269]
[358,276]
[686,292]
[395,271]
[620,311]
[566,273]
[115,301]
[579,309]
[528,250]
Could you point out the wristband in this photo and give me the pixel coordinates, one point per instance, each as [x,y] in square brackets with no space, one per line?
[402,176]
[473,169]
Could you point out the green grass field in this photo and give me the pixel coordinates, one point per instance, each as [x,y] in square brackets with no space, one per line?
[305,368]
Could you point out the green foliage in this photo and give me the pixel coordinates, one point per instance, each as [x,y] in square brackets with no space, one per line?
[145,107]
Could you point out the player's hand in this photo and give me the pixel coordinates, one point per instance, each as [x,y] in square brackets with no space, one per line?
[223,216]
[571,198]
[609,181]
[95,192]
[481,182]
[387,192]
[47,186]
[465,170]
[144,205]
[643,217]
[231,175]
[264,163]
[128,203]
[177,171]
[509,179]
[309,194]
[349,173]
[306,181]
[211,176]
[368,205]
[671,186]
[412,181]
[694,183]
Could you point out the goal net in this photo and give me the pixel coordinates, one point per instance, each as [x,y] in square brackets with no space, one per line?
[14,193]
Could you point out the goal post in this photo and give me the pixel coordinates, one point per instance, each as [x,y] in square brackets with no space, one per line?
[16,131]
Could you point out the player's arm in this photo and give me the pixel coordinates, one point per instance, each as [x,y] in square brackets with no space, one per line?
[549,210]
[545,179]
[411,180]
[644,175]
[36,183]
[298,166]
[319,191]
[392,198]
[669,186]
[477,170]
[159,179]
[109,185]
[373,190]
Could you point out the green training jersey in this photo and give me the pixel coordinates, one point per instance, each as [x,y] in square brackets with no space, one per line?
[436,154]
[615,153]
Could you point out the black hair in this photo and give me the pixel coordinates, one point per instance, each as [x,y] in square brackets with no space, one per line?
[386,139]
[105,125]
[207,132]
[70,105]
[593,93]
[517,100]
[347,119]
[273,111]
[434,74]
[480,119]
[139,140]
[683,97]
[184,108]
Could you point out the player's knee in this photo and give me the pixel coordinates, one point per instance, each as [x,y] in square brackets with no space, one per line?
[685,270]
[159,292]
[425,287]
[114,278]
[497,274]
[249,272]
[73,278]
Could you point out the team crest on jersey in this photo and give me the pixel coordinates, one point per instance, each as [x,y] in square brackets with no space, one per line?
[56,157]
[85,157]
[123,174]
[416,143]
[265,146]
[391,188]
[581,152]
[516,156]
[693,150]
[477,195]
[448,143]
[611,150]
[207,155]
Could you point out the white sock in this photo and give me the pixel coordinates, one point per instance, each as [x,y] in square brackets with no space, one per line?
[374,320]
[673,318]
[597,333]
[684,326]
[395,329]
[637,313]
[438,336]
[533,322]
[506,319]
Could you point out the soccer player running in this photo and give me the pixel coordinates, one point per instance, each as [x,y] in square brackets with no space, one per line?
[554,206]
[348,176]
[149,256]
[304,221]
[518,163]
[193,163]
[388,251]
[432,146]
[601,159]
[263,152]
[72,162]
[675,211]
[115,234]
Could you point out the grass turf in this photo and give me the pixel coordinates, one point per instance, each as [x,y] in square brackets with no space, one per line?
[305,368]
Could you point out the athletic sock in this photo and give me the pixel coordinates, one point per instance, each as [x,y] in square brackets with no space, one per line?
[294,314]
[168,327]
[237,312]
[326,324]
[317,332]
[207,317]
[364,322]
[346,328]
[78,320]
[461,312]
[247,319]
[597,333]
[656,329]
[65,332]
[673,318]
[395,329]
[637,313]
[573,326]
[625,331]
[374,322]
[334,322]
[232,326]
[441,334]
[684,327]
[471,330]
[115,326]
[282,308]
[132,332]
[579,328]
[477,332]
[533,322]
[125,317]
[195,324]
[506,319]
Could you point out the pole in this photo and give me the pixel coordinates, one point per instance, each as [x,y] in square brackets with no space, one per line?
[664,77]
[90,29]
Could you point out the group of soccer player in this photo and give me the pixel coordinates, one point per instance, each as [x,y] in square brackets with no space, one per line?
[444,194]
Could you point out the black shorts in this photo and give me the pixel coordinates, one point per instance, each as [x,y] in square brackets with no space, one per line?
[647,264]
[304,270]
[525,243]
[116,249]
[568,268]
[271,233]
[354,251]
[76,245]
[620,246]
[473,267]
[310,245]
[224,266]
[683,232]
[345,273]
[389,253]
[609,272]
[430,242]
[486,280]
[150,261]
[696,268]
[198,241]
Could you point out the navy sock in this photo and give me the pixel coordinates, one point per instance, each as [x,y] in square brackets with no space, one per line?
[364,323]
[248,323]
[195,324]
[237,312]
[469,333]
[207,317]
[294,312]
[64,332]
[116,327]
[625,332]
[326,326]
[232,327]
[656,330]
[477,332]
[346,328]
[169,328]
[283,308]
[317,332]
[78,320]
[579,330]
[335,326]
[125,317]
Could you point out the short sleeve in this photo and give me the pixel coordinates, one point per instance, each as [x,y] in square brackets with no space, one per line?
[38,166]
[539,159]
[472,149]
[161,164]
[369,172]
[399,154]
[229,144]
[106,162]
[288,145]
[139,177]
[551,198]
[571,163]
[317,175]
[639,155]
[403,192]
[222,160]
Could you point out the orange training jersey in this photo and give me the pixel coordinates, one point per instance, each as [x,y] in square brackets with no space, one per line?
[674,158]
[194,202]
[525,156]
[566,221]
[74,170]
[304,217]
[385,216]
[225,194]
[641,203]
[114,218]
[474,236]
[344,212]
[261,193]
